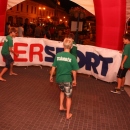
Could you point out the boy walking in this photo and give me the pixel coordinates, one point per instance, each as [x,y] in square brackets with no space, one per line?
[6,49]
[125,65]
[65,63]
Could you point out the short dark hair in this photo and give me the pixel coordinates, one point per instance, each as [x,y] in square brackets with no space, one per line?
[12,30]
[126,36]
[21,24]
[71,35]
[38,24]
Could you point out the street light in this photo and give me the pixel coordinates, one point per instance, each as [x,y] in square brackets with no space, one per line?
[40,8]
[41,12]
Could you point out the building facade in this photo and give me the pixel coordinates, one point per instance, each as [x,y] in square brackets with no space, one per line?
[33,12]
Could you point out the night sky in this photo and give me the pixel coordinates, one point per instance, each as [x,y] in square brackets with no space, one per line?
[67,4]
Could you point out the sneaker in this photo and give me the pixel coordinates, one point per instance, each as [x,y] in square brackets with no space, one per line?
[122,89]
[117,91]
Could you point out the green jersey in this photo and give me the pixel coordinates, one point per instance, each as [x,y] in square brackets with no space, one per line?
[65,62]
[7,43]
[126,52]
[73,51]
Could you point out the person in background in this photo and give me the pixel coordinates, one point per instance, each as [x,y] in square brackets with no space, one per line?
[6,50]
[60,32]
[125,65]
[65,63]
[7,27]
[73,51]
[20,30]
[38,31]
[52,32]
[47,32]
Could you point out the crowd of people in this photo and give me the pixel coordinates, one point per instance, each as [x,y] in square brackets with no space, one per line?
[39,31]
[49,31]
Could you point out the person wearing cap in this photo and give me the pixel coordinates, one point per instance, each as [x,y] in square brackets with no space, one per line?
[7,48]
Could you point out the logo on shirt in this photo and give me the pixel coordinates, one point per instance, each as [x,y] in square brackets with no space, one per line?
[63,59]
[6,40]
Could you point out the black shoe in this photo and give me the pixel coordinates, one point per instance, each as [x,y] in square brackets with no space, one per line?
[117,91]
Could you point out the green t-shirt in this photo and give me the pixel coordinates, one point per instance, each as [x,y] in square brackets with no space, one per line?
[126,52]
[73,51]
[65,62]
[7,43]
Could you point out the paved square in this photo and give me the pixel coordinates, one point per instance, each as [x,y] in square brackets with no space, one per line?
[30,102]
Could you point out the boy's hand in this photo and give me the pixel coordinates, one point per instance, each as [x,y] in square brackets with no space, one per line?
[120,52]
[17,54]
[51,79]
[121,66]
[74,83]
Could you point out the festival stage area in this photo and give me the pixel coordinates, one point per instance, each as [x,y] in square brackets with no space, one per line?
[30,102]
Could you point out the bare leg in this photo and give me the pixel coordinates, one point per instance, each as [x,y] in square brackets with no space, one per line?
[2,72]
[123,82]
[119,80]
[11,69]
[62,95]
[68,105]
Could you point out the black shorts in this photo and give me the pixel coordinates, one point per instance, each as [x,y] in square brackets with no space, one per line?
[122,72]
[8,60]
[66,88]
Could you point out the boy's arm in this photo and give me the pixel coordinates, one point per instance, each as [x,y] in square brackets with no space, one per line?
[51,74]
[11,50]
[123,61]
[74,77]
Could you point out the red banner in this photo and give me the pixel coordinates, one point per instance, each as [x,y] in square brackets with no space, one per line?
[3,6]
[110,23]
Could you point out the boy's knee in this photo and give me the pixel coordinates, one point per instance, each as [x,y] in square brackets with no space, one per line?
[68,96]
[120,76]
[7,66]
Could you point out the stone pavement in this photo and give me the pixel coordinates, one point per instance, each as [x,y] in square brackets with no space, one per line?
[29,102]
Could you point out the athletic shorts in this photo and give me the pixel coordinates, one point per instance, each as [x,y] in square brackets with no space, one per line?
[122,72]
[66,87]
[8,60]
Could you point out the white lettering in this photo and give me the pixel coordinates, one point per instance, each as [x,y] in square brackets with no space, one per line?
[63,59]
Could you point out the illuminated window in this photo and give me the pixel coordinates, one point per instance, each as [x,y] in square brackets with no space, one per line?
[17,7]
[21,7]
[40,12]
[32,9]
[35,10]
[27,8]
[46,12]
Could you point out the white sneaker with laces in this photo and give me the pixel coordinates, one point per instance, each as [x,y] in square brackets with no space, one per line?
[117,91]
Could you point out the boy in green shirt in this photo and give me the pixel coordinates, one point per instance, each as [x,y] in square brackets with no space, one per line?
[73,50]
[6,49]
[125,65]
[65,63]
